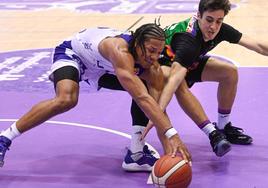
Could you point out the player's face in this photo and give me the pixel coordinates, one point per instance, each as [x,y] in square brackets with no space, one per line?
[210,23]
[153,49]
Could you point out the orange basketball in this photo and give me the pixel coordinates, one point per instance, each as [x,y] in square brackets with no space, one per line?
[171,172]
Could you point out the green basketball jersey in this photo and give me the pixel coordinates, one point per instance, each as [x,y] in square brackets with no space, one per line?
[180,27]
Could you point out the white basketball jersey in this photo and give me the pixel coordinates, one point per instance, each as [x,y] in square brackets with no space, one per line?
[85,45]
[83,54]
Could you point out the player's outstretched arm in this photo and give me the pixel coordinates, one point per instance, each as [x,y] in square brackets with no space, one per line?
[117,53]
[176,75]
[252,44]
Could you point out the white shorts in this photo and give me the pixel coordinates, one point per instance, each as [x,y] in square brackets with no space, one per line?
[64,56]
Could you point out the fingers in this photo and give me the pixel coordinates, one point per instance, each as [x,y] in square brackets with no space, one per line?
[146,130]
[178,146]
[174,151]
[183,155]
[174,145]
[143,135]
[186,155]
[189,157]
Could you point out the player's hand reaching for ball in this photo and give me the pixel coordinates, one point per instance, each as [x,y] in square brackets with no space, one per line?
[176,144]
[179,147]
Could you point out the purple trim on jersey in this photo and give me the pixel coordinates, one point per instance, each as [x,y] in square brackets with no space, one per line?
[195,28]
[202,125]
[224,111]
[126,37]
[59,52]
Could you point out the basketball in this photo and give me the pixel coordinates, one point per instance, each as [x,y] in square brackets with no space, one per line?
[171,172]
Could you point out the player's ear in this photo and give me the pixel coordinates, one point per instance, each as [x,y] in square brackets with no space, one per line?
[198,15]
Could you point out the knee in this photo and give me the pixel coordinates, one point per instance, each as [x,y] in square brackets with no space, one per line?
[65,103]
[231,75]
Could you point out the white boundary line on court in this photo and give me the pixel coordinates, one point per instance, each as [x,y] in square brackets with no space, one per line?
[149,181]
[85,126]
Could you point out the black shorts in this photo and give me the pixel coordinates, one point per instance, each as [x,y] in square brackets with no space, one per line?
[110,81]
[194,73]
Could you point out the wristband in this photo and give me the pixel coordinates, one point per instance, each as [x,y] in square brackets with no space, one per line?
[170,132]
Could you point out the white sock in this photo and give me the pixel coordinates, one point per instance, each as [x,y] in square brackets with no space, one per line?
[223,119]
[12,132]
[208,129]
[136,144]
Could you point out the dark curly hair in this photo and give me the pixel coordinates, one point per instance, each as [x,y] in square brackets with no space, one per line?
[145,33]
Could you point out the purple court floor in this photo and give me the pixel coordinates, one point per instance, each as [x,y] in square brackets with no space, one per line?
[85,147]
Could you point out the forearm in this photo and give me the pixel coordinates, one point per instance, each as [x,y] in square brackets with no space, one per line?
[264,49]
[176,77]
[155,82]
[145,101]
[257,46]
[155,93]
[154,113]
[167,94]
